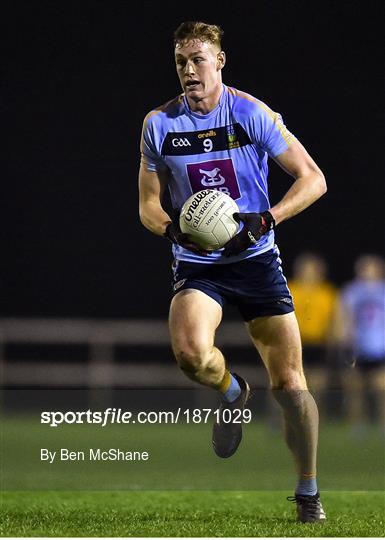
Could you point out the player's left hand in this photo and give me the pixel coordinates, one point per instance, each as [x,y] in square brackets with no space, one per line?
[255,225]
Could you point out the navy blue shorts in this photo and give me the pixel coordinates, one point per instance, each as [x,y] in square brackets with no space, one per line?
[256,286]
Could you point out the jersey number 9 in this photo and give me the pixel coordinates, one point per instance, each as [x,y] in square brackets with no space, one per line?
[208,145]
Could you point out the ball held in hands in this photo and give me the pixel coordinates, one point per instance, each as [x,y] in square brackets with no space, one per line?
[207,218]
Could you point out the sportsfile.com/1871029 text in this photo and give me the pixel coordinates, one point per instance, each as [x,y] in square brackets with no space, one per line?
[118,416]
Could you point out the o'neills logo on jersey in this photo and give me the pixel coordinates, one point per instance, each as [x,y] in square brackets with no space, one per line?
[210,133]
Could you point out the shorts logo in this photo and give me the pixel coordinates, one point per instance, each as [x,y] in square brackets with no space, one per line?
[181,142]
[179,284]
[284,301]
[215,174]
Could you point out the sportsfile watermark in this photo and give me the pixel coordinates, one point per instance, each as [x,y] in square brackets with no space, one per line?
[161,439]
[113,415]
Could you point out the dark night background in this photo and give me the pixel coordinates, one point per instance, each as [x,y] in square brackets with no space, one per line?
[79,77]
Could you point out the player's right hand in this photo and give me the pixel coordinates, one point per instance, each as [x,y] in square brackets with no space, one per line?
[255,225]
[175,235]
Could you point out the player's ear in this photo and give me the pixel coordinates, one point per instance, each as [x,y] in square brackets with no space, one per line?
[221,60]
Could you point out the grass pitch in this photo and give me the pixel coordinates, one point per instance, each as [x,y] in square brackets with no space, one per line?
[184,490]
[179,513]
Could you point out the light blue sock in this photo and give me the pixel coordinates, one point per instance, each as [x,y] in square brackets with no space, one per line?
[306,486]
[233,390]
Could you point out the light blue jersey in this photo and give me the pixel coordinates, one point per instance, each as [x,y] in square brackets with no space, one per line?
[226,149]
[365,301]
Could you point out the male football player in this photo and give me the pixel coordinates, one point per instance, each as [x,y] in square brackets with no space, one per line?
[217,128]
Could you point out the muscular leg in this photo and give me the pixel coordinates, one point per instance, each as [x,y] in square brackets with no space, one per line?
[278,341]
[194,317]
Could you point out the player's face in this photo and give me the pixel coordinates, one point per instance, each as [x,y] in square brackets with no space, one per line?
[199,66]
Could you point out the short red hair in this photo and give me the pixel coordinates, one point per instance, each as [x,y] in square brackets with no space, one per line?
[190,30]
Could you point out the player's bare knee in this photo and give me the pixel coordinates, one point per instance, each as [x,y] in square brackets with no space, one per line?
[290,389]
[192,359]
[290,379]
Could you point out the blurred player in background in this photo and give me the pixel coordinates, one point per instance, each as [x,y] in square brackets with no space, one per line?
[315,300]
[215,136]
[362,324]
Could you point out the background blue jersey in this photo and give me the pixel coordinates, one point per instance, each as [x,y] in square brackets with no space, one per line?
[365,301]
[226,149]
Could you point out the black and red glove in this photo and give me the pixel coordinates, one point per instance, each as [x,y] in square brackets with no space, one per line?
[175,235]
[254,226]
